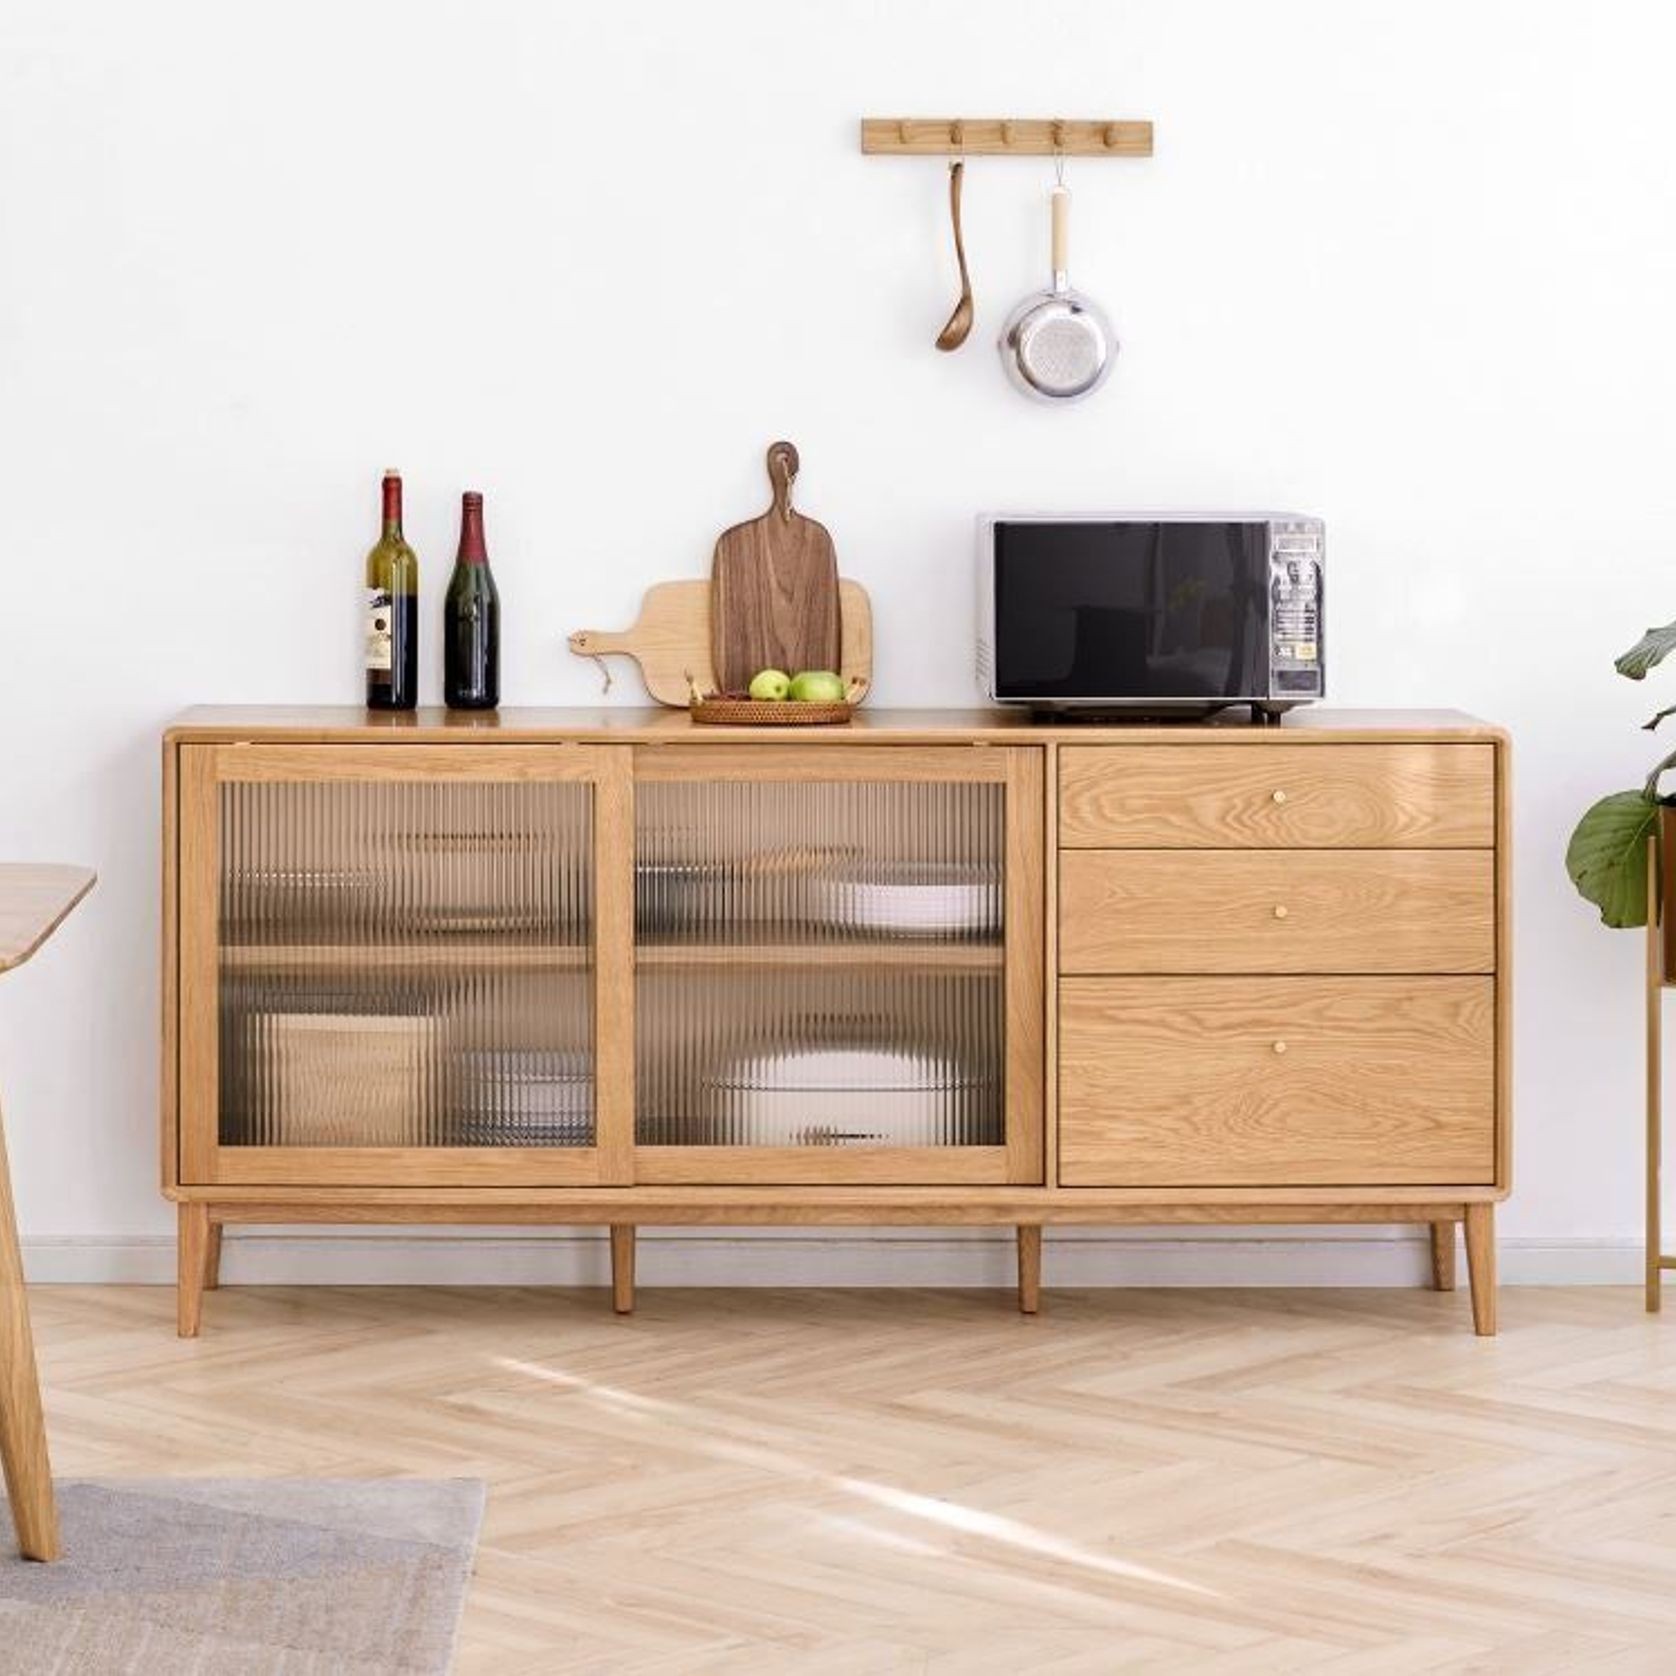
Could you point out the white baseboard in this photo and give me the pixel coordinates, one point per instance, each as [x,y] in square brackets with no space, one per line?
[823,1257]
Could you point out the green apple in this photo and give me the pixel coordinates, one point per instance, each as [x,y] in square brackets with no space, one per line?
[770,685]
[817,686]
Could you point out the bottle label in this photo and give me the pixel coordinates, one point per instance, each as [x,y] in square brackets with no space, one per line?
[380,615]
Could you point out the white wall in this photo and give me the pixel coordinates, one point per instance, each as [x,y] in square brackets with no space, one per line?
[1408,265]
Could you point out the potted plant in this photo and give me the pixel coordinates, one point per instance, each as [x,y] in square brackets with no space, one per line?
[1607,855]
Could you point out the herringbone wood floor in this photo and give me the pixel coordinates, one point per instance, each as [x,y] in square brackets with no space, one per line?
[844,1482]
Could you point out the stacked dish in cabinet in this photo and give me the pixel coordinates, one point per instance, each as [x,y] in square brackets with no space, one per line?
[820,964]
[397,863]
[405,1059]
[406,964]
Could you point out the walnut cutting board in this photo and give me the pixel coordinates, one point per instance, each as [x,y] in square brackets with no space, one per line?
[774,589]
[671,637]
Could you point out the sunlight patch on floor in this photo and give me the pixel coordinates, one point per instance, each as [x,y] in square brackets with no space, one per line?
[698,1433]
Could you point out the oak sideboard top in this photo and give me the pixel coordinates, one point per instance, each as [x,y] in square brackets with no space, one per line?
[350,724]
[35,897]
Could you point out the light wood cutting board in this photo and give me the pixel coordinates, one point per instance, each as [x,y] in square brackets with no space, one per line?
[671,637]
[775,587]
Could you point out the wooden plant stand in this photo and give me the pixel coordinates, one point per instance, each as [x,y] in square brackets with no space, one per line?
[1658,1259]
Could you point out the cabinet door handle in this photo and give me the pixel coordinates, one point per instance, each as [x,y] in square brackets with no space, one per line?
[1280,1047]
[1277,795]
[1280,910]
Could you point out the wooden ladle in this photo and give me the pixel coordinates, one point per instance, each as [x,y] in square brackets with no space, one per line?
[959,326]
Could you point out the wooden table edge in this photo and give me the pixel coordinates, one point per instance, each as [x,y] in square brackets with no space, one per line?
[78,881]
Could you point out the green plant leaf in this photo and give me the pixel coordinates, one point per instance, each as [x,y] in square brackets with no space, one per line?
[1607,857]
[1651,649]
[1649,726]
[1650,790]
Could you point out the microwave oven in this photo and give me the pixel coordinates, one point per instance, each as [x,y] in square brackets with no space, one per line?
[1174,614]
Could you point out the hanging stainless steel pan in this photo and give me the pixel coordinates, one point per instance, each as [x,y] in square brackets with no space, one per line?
[1058,345]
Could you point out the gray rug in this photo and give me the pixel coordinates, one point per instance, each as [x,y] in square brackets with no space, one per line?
[245,1577]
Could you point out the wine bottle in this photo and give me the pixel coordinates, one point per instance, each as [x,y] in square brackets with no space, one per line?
[471,619]
[392,611]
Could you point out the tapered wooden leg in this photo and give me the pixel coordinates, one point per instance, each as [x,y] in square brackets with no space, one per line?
[1656,910]
[23,1432]
[1443,1256]
[1481,1266]
[1029,1268]
[192,1255]
[622,1267]
[212,1258]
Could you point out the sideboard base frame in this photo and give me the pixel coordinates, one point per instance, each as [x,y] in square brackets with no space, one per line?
[1029,1212]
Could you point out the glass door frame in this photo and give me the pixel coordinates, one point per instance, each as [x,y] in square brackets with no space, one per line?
[1020,1159]
[204,1161]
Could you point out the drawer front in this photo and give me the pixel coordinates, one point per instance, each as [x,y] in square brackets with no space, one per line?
[1294,1082]
[1277,911]
[1260,796]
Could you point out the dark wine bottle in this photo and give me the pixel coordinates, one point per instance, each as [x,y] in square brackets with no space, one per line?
[471,619]
[392,611]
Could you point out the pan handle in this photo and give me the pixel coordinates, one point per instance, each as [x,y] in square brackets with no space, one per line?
[1061,202]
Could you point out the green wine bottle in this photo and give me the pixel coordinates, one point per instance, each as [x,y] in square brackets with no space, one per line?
[471,619]
[392,611]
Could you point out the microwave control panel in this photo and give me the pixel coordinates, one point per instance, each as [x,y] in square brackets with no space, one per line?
[1295,557]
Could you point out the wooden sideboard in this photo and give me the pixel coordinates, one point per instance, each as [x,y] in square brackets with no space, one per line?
[566,966]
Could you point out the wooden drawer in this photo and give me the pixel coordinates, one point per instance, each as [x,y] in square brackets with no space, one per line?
[1291,1082]
[1260,796]
[1277,911]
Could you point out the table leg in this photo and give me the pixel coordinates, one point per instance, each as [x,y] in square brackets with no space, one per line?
[1029,1268]
[622,1267]
[1481,1266]
[212,1258]
[23,1434]
[1443,1256]
[192,1256]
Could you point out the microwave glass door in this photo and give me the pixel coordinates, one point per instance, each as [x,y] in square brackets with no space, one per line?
[1165,611]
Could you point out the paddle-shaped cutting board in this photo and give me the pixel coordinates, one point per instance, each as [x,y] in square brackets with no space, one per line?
[671,637]
[774,589]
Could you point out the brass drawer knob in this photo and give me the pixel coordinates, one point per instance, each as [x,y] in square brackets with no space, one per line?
[1277,795]
[1280,1047]
[1280,910]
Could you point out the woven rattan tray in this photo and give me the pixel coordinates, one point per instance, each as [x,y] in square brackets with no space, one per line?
[752,712]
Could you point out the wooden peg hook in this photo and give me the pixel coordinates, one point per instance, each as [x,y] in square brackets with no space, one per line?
[1005,136]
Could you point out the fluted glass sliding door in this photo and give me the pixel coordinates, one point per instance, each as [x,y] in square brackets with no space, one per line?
[838,964]
[408,948]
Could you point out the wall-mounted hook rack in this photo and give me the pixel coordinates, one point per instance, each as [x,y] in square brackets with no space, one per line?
[899,136]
